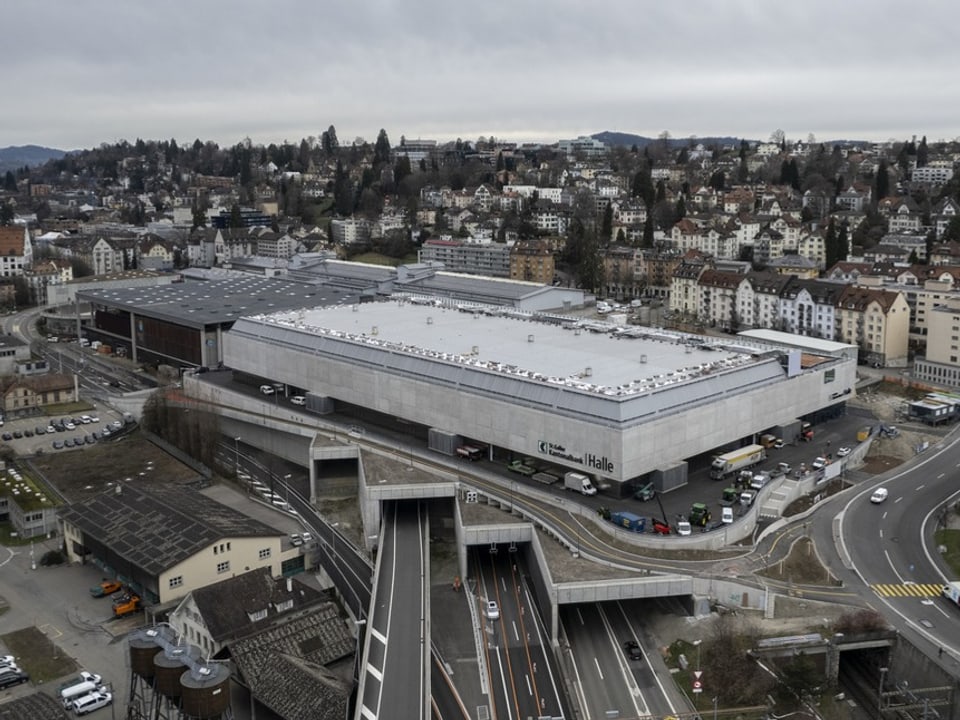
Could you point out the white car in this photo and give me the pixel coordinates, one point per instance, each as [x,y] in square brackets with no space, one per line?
[684,528]
[267,389]
[778,444]
[491,610]
[726,515]
[819,464]
[843,452]
[298,400]
[879,495]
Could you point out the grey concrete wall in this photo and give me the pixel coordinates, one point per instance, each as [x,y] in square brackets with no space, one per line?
[664,441]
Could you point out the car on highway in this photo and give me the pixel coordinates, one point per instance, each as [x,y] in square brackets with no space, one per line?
[843,452]
[879,495]
[491,610]
[632,649]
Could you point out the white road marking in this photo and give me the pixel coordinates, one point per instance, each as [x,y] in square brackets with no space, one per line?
[881,533]
[580,615]
[884,516]
[516,633]
[599,671]
[941,476]
[919,487]
[899,576]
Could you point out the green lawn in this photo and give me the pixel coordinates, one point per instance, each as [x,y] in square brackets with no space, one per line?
[38,656]
[950,539]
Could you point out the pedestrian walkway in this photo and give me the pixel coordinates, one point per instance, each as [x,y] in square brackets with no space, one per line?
[908,590]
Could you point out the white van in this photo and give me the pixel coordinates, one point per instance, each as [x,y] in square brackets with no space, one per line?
[94,701]
[69,694]
[267,389]
[298,400]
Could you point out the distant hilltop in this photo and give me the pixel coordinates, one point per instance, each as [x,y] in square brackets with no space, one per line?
[15,157]
[613,139]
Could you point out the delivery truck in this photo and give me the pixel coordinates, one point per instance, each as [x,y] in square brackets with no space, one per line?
[579,482]
[735,460]
[951,591]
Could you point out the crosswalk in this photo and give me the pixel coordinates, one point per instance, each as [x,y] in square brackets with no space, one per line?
[921,590]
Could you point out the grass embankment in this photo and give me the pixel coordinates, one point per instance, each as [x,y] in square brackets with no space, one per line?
[949,541]
[38,655]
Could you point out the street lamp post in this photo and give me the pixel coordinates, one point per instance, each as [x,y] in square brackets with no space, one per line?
[236,448]
[286,485]
[697,644]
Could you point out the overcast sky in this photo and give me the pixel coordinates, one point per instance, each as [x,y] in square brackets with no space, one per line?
[77,74]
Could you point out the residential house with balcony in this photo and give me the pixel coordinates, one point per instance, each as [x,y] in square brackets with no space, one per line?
[944,212]
[655,268]
[795,265]
[44,274]
[758,301]
[475,258]
[619,273]
[532,261]
[808,307]
[878,321]
[685,283]
[718,298]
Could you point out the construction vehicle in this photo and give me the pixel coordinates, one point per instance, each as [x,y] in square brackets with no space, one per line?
[951,591]
[106,587]
[806,432]
[521,468]
[647,492]
[729,463]
[730,497]
[768,440]
[126,604]
[628,521]
[660,527]
[699,514]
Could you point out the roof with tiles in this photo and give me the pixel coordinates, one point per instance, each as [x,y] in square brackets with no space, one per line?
[286,666]
[227,606]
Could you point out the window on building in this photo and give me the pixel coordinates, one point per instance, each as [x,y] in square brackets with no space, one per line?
[257,615]
[176,582]
[264,553]
[223,567]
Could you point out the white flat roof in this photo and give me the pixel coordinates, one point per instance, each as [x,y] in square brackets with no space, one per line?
[587,355]
[799,341]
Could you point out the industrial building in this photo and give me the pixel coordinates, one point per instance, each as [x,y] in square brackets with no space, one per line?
[625,404]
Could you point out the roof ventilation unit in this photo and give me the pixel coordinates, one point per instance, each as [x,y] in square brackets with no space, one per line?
[530,338]
[429,319]
[643,359]
[588,372]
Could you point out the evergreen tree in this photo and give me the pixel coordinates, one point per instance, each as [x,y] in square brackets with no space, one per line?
[681,208]
[343,191]
[661,191]
[922,153]
[843,241]
[6,213]
[236,218]
[882,185]
[830,244]
[606,228]
[381,150]
[328,140]
[647,240]
[643,186]
[9,182]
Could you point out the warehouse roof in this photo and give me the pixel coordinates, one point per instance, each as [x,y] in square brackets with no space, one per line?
[159,527]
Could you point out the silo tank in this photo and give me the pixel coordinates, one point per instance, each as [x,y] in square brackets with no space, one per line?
[168,672]
[206,691]
[142,651]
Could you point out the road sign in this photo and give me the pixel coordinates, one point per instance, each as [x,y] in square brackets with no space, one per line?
[697,674]
[697,686]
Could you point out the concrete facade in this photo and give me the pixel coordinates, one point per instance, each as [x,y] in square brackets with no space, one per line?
[575,401]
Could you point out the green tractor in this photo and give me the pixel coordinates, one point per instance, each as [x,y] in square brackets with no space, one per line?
[699,515]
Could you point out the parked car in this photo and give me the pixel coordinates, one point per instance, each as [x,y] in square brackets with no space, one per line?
[726,515]
[879,495]
[295,539]
[267,389]
[820,463]
[40,430]
[778,444]
[58,445]
[684,528]
[298,400]
[843,452]
[13,677]
[7,436]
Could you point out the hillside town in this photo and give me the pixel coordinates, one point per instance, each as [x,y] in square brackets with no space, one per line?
[852,242]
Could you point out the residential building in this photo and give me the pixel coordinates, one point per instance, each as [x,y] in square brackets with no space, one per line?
[212,616]
[25,395]
[532,261]
[16,250]
[684,285]
[941,363]
[487,258]
[758,301]
[718,298]
[45,274]
[808,307]
[582,146]
[619,273]
[349,231]
[878,321]
[797,265]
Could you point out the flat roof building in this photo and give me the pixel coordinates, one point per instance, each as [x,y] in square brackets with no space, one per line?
[618,402]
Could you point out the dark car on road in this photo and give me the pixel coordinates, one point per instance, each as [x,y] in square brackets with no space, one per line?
[632,649]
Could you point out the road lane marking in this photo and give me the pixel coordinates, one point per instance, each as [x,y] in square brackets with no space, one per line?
[597,663]
[580,615]
[529,686]
[516,633]
[898,500]
[941,476]
[881,533]
[884,516]
[919,487]
[899,576]
[921,590]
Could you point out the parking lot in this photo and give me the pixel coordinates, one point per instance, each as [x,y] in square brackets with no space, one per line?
[41,434]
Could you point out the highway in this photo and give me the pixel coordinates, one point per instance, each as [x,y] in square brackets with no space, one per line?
[522,677]
[893,554]
[608,682]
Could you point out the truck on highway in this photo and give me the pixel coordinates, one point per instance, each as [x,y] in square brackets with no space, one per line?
[731,462]
[579,482]
[628,521]
[951,591]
